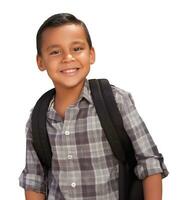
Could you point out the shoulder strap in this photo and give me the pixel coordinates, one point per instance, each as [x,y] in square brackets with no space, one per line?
[105,120]
[39,132]
[116,118]
[107,109]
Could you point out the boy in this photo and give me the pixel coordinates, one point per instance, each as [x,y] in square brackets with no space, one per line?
[83,165]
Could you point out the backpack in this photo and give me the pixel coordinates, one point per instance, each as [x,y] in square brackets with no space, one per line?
[130,187]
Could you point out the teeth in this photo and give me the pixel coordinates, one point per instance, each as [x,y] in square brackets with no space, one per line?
[69,70]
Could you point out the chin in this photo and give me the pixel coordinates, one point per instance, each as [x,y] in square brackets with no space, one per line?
[71,84]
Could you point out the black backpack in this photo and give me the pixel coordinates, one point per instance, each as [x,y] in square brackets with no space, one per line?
[130,187]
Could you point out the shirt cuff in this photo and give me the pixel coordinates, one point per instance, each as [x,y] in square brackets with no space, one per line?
[32,182]
[150,167]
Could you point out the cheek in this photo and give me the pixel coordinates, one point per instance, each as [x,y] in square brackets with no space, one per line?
[85,58]
[52,63]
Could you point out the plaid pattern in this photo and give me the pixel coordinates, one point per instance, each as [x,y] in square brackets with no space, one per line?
[83,166]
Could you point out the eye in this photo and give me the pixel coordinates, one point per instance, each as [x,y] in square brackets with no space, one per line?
[55,52]
[78,49]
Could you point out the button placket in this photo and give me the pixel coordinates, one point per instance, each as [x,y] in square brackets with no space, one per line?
[68,131]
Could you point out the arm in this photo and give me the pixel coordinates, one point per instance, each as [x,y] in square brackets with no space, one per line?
[30,195]
[150,166]
[32,178]
[152,186]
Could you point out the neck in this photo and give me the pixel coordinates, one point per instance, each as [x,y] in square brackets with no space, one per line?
[66,97]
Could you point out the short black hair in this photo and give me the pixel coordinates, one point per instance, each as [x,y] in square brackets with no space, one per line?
[60,20]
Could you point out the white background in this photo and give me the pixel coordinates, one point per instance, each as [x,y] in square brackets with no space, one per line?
[140,47]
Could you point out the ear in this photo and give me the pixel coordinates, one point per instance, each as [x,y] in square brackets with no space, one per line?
[40,63]
[92,55]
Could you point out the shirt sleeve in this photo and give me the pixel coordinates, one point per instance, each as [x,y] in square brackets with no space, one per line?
[32,177]
[149,160]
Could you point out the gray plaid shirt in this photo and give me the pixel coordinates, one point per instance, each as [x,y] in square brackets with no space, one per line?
[83,165]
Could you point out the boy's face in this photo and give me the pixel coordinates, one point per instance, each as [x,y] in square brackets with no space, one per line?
[66,55]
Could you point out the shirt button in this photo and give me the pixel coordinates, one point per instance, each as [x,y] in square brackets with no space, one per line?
[66,132]
[73,184]
[69,157]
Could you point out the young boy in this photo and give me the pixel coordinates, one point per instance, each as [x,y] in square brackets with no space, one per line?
[83,165]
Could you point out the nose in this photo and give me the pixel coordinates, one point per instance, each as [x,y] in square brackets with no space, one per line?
[68,58]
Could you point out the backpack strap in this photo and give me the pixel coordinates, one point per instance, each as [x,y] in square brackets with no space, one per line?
[106,107]
[105,120]
[39,131]
[117,121]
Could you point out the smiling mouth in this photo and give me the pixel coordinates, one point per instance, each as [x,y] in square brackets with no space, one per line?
[69,71]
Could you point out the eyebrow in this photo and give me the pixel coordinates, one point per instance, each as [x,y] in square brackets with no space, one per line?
[78,42]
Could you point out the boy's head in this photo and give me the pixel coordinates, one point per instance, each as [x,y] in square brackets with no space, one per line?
[65,50]
[60,20]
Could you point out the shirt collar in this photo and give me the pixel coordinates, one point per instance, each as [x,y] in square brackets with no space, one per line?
[86,93]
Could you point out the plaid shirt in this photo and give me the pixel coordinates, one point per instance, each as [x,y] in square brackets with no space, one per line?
[83,165]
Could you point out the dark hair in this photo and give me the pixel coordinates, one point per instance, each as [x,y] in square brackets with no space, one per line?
[60,20]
